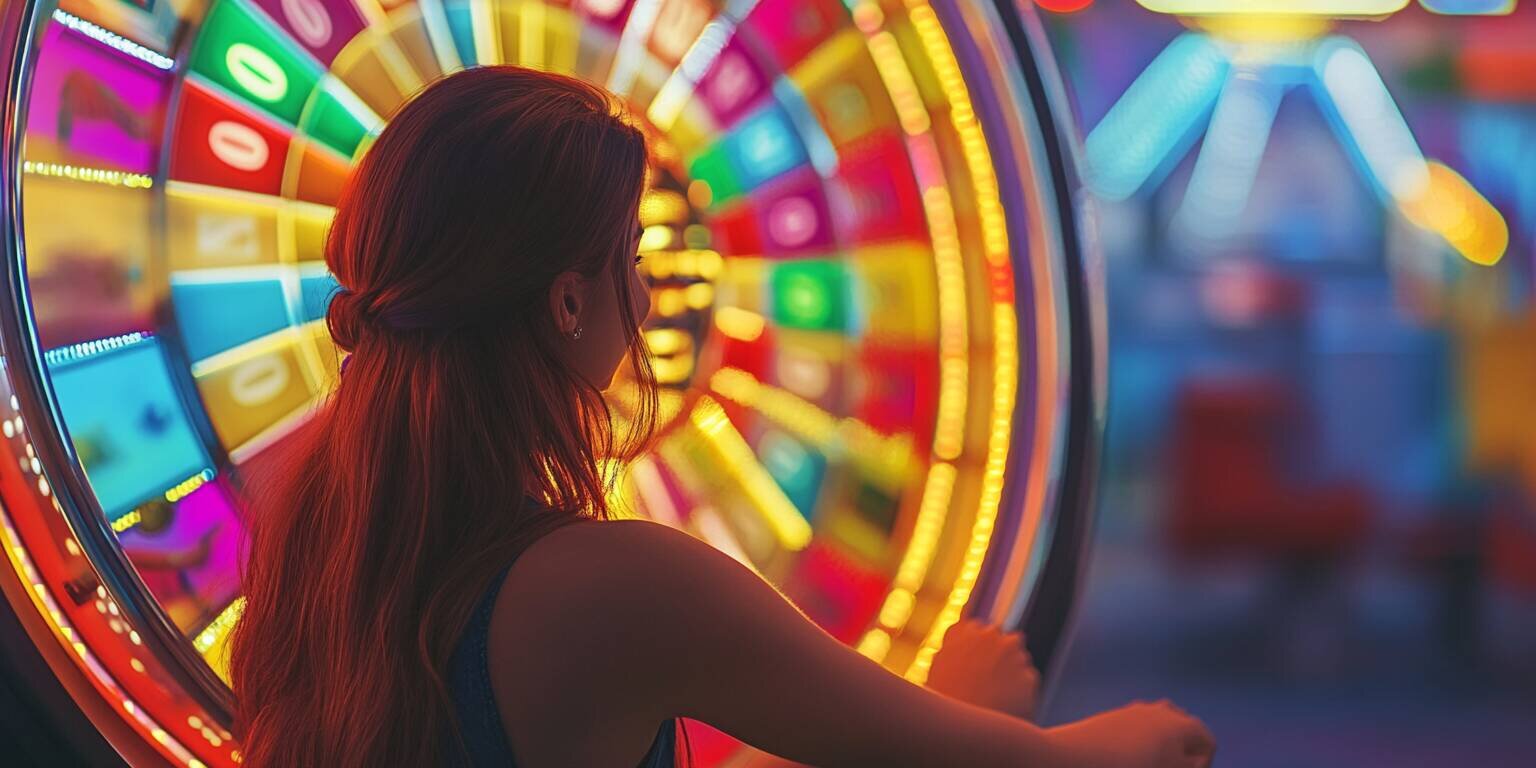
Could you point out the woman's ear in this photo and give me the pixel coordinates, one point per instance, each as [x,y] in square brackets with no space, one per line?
[567,301]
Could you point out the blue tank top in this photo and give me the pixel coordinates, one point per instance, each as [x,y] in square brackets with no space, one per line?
[469,680]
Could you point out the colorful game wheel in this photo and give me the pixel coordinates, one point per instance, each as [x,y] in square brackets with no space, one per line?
[872,317]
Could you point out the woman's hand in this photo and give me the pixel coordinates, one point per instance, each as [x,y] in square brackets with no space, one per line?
[983,665]
[1139,735]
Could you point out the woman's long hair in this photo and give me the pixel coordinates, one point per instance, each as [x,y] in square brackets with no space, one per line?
[390,512]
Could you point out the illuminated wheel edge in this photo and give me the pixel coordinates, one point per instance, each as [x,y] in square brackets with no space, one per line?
[94,691]
[1034,588]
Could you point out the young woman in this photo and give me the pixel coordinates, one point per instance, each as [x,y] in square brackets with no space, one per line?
[432,579]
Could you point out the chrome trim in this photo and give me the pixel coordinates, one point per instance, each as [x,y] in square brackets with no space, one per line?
[1047,615]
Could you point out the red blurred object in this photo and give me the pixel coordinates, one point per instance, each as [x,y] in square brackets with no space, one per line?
[841,595]
[1246,293]
[737,231]
[899,384]
[1499,74]
[874,195]
[1510,544]
[1063,6]
[1495,59]
[1231,491]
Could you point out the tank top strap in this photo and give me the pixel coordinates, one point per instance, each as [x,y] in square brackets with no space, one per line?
[480,727]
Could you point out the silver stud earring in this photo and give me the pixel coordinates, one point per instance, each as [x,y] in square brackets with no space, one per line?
[576,334]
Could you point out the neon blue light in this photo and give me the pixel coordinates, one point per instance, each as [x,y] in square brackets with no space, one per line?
[1367,120]
[1152,124]
[461,25]
[817,144]
[1498,144]
[128,425]
[764,146]
[798,469]
[1229,157]
[1469,7]
[216,316]
[315,295]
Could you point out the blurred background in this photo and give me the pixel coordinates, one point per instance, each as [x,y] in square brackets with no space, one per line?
[1317,525]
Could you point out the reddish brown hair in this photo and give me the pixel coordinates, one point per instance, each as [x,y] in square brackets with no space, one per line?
[390,512]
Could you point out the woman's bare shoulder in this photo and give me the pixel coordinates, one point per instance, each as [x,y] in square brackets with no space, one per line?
[628,561]
[632,590]
[589,612]
[575,644]
[622,543]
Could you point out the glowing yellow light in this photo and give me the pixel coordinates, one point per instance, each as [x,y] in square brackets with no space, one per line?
[659,266]
[92,175]
[886,457]
[662,265]
[739,324]
[1452,208]
[207,639]
[1004,332]
[187,486]
[810,423]
[954,365]
[663,206]
[530,34]
[784,519]
[667,341]
[708,263]
[656,237]
[669,302]
[1275,7]
[127,521]
[929,526]
[699,295]
[875,644]
[897,608]
[1265,29]
[910,109]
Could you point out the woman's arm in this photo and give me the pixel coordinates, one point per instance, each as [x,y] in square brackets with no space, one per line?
[694,633]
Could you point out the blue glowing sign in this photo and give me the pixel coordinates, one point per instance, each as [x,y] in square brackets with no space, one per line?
[219,315]
[1469,7]
[1153,124]
[316,293]
[129,426]
[765,146]
[798,469]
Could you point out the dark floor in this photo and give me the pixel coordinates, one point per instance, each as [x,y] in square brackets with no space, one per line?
[1349,673]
